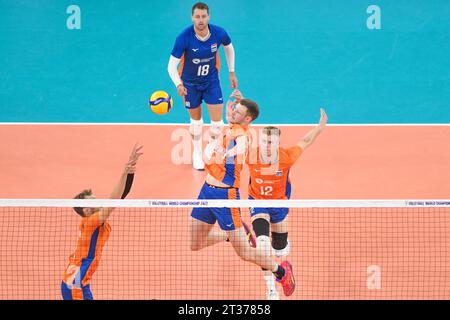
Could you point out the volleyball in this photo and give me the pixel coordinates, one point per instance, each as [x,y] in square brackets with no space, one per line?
[160,102]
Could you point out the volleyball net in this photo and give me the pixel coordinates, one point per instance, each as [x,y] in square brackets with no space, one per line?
[340,249]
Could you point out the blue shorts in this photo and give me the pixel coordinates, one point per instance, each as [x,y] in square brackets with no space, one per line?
[228,218]
[210,92]
[76,293]
[276,214]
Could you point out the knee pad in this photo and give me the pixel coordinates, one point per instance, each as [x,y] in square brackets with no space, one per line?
[195,127]
[280,244]
[261,227]
[216,129]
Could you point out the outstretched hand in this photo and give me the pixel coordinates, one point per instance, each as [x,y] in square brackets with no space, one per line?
[230,106]
[132,160]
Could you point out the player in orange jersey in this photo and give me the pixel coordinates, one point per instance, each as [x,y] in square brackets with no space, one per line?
[269,166]
[93,234]
[224,160]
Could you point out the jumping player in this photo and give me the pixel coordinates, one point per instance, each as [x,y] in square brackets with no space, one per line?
[224,160]
[93,233]
[198,78]
[269,167]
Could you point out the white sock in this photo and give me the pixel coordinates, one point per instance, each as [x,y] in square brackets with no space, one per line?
[276,268]
[197,144]
[195,129]
[270,282]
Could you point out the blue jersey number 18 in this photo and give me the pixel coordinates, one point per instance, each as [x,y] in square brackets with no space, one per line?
[203,70]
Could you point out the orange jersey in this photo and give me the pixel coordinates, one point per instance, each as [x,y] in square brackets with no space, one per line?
[84,261]
[228,170]
[271,181]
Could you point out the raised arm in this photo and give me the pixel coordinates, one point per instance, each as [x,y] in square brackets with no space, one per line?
[237,96]
[123,187]
[309,138]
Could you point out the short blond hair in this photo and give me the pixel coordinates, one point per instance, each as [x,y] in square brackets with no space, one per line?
[82,195]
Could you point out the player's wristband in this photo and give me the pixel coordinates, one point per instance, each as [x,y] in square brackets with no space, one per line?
[128,185]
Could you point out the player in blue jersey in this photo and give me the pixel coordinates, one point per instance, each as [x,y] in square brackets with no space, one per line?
[197,80]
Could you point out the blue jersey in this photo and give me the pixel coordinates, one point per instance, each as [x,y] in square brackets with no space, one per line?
[199,59]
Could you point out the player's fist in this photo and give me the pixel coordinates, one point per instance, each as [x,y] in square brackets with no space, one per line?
[233,80]
[182,91]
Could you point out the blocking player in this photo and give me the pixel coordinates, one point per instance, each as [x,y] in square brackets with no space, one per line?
[224,160]
[93,233]
[198,78]
[269,167]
